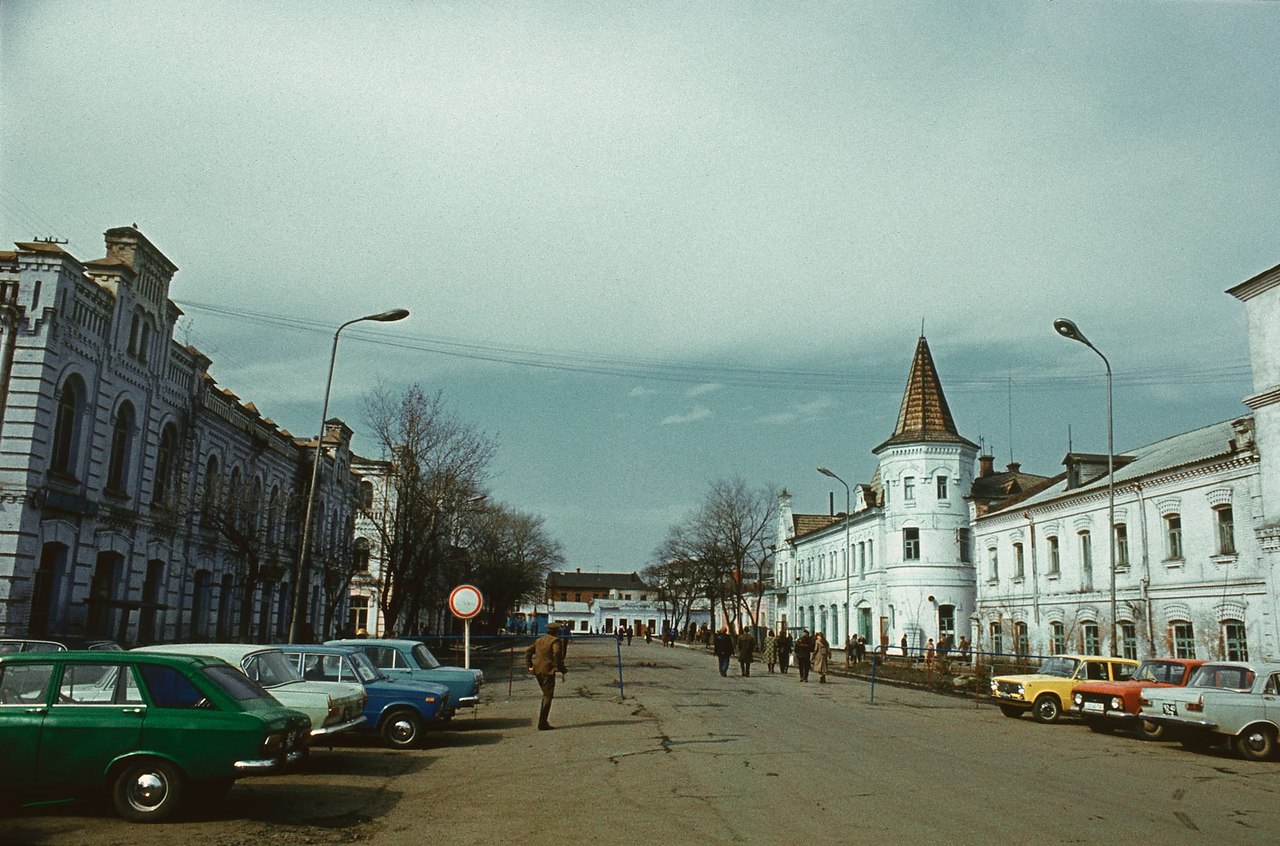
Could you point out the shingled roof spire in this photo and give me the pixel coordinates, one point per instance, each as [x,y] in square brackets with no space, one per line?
[924,415]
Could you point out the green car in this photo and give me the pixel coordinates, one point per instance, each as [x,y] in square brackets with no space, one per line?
[147,728]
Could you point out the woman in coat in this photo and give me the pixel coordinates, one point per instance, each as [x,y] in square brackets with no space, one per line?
[770,650]
[821,656]
[746,651]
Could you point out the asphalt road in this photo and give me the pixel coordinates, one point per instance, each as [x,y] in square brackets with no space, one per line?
[688,756]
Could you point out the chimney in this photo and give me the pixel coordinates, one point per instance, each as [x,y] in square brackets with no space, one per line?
[831,503]
[1014,467]
[986,466]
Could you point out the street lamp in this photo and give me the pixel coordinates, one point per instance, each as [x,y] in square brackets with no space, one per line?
[304,576]
[1069,330]
[848,553]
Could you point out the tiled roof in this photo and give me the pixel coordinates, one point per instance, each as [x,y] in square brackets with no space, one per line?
[924,415]
[806,523]
[596,581]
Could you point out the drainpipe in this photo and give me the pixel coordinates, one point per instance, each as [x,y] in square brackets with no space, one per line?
[1035,577]
[1136,487]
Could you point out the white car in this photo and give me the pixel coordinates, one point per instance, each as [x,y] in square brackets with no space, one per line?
[1225,701]
[332,706]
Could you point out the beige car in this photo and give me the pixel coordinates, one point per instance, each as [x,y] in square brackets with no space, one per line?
[1046,693]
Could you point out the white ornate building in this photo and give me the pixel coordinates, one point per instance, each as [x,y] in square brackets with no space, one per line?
[1196,537]
[120,455]
[900,564]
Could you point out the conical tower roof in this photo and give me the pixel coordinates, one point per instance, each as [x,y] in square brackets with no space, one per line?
[924,415]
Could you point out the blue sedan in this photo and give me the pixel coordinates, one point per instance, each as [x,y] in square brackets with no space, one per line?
[397,708]
[411,659]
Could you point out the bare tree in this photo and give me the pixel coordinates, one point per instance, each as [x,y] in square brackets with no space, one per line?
[436,466]
[510,557]
[730,537]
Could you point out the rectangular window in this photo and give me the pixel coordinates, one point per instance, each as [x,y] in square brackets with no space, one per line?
[1233,635]
[862,559]
[909,489]
[1022,643]
[910,544]
[1173,537]
[1090,638]
[942,487]
[1122,545]
[993,565]
[1019,563]
[1057,638]
[997,639]
[1086,561]
[1128,640]
[1184,639]
[964,538]
[871,558]
[1055,562]
[1226,531]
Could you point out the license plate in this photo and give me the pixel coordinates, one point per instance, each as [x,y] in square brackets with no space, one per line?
[1171,709]
[1094,706]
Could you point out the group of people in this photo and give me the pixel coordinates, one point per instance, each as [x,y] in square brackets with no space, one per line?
[812,652]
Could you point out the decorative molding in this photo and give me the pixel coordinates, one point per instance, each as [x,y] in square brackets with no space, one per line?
[1219,497]
[1169,505]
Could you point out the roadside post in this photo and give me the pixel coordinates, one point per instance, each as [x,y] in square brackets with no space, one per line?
[466,602]
[875,662]
[622,694]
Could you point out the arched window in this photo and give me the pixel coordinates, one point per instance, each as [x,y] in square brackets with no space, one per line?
[66,428]
[121,449]
[166,465]
[212,486]
[144,341]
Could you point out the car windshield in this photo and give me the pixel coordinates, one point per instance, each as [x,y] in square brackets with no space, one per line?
[270,669]
[1223,677]
[365,671]
[1059,666]
[235,683]
[423,656]
[1164,672]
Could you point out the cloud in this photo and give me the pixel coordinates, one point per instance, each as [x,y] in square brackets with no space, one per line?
[703,389]
[802,411]
[699,412]
[638,391]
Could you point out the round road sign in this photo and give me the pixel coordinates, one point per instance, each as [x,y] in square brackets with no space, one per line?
[465,602]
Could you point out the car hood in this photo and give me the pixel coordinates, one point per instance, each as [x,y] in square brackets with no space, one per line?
[408,686]
[1033,677]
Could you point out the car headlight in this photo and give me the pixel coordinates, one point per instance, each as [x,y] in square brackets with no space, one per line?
[1022,690]
[272,744]
[994,686]
[1117,704]
[1078,699]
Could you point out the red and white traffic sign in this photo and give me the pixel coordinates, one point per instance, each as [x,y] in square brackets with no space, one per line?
[465,602]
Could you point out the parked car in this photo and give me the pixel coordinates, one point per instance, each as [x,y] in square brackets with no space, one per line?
[1046,691]
[1236,702]
[1108,705]
[146,728]
[55,643]
[332,706]
[396,709]
[412,659]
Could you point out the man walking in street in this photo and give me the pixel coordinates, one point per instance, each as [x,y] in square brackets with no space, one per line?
[785,643]
[804,654]
[746,650]
[722,645]
[544,658]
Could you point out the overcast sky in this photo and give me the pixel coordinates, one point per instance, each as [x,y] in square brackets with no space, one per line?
[648,246]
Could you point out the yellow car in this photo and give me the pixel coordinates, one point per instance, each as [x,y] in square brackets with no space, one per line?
[1047,691]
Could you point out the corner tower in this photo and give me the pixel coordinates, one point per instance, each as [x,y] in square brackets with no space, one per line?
[926,470]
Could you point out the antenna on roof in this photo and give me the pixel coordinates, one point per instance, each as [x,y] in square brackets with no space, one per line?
[50,239]
[1010,384]
[922,327]
[1069,439]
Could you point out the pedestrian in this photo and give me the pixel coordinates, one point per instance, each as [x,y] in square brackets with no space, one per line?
[821,656]
[861,649]
[964,649]
[804,654]
[770,650]
[722,646]
[628,635]
[850,646]
[785,644]
[544,658]
[746,650]
[619,633]
[648,635]
[904,646]
[928,654]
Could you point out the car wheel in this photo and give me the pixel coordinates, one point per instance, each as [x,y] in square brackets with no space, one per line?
[1100,727]
[1147,730]
[402,729]
[1256,743]
[1046,709]
[1011,710]
[147,791]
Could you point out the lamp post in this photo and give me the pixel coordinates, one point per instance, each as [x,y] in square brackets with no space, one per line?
[848,553]
[304,575]
[1069,330]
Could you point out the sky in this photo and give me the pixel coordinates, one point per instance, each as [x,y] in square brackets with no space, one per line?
[651,246]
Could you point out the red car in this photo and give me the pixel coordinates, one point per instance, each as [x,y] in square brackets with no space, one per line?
[1106,706]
